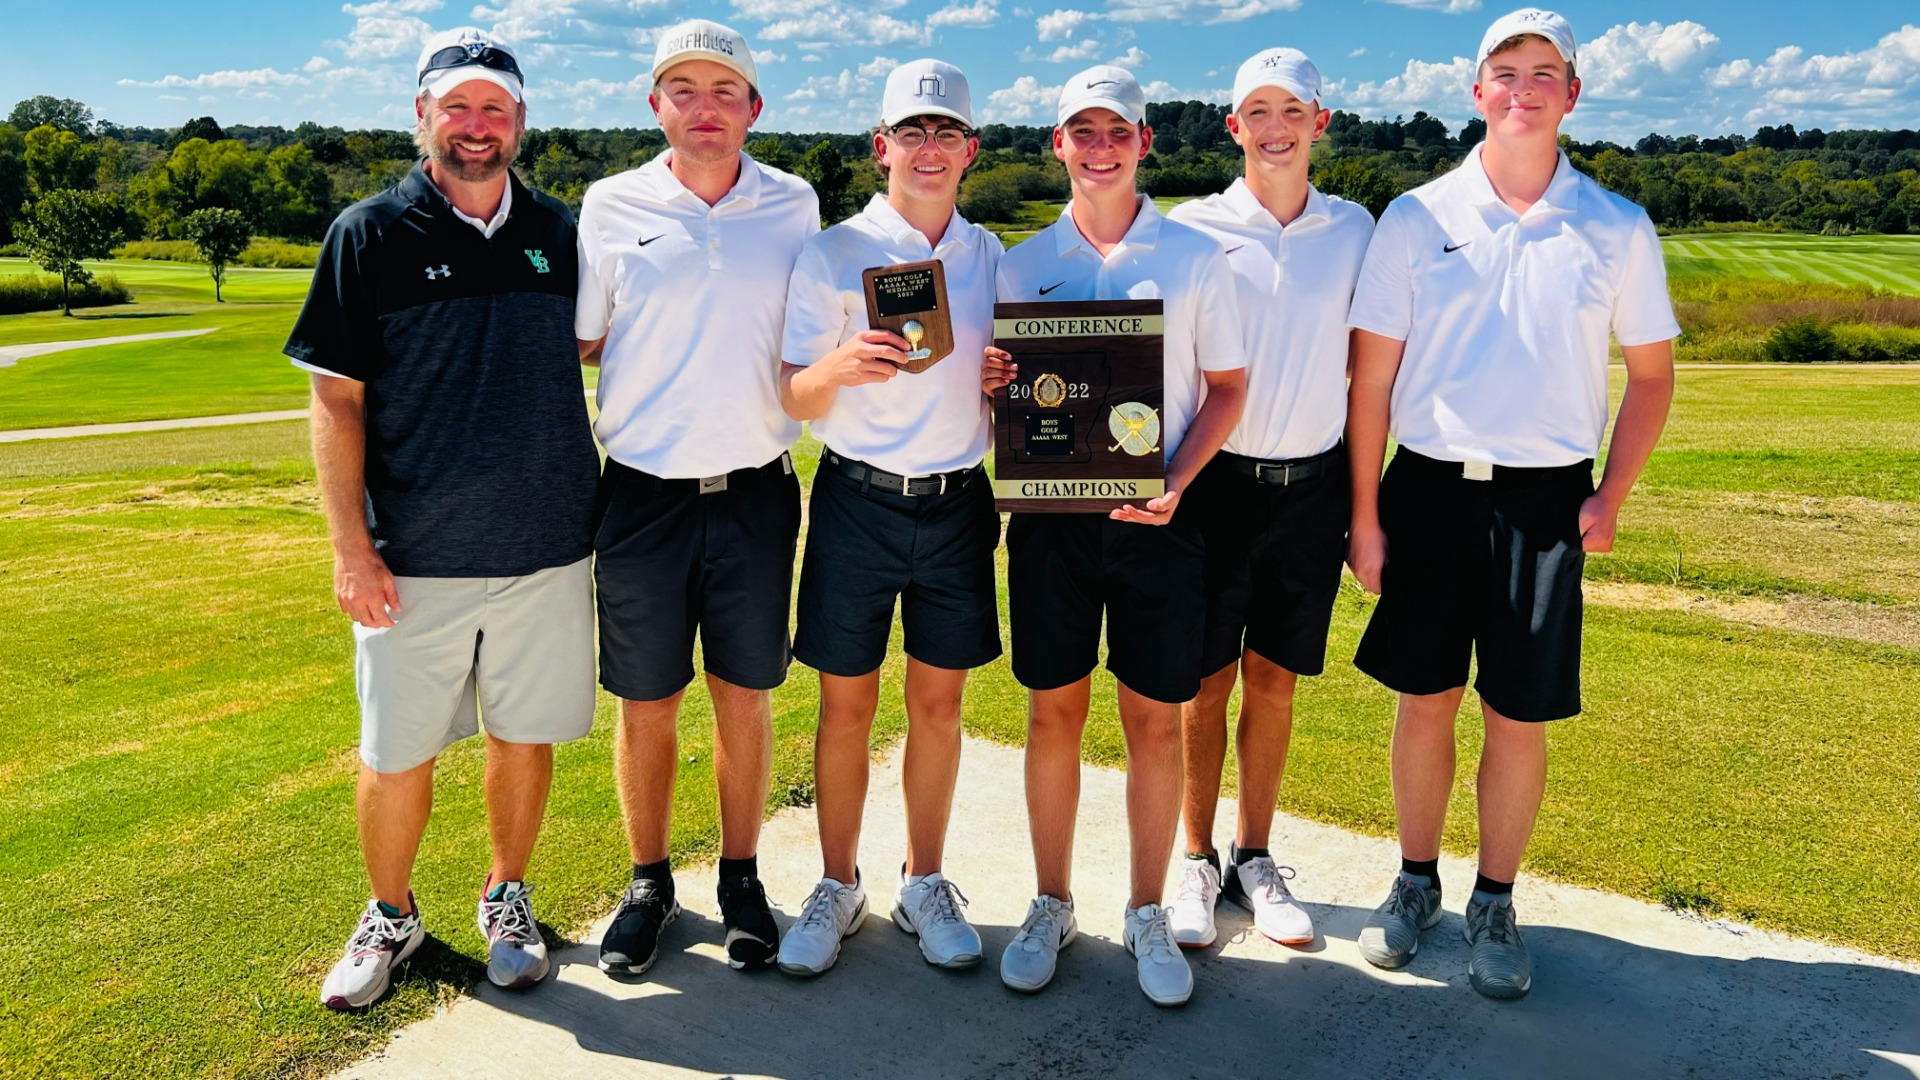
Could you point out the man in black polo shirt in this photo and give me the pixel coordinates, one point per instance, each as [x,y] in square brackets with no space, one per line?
[458,473]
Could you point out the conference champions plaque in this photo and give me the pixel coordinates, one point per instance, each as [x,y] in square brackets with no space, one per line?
[910,299]
[1079,430]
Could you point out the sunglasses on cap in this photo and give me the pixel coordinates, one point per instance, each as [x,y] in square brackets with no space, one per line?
[459,56]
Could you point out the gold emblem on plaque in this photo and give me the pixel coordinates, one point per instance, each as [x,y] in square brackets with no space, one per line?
[1049,391]
[915,333]
[1136,427]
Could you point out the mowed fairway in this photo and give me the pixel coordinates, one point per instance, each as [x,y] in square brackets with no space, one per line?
[237,368]
[177,693]
[1876,262]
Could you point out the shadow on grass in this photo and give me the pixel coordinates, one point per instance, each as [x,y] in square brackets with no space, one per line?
[115,316]
[1600,1007]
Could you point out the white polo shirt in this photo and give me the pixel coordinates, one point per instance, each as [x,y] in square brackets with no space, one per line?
[932,422]
[1295,283]
[1156,259]
[691,299]
[1505,316]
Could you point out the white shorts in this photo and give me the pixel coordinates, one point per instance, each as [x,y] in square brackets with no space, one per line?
[521,649]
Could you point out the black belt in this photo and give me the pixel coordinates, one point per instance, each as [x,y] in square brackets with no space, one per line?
[896,484]
[1285,473]
[710,485]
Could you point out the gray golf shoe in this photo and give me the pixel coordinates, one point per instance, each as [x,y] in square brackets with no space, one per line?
[1392,933]
[1500,966]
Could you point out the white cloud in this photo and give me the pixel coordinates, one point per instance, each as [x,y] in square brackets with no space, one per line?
[1078,52]
[387,8]
[1877,85]
[381,37]
[1644,59]
[1448,7]
[1440,88]
[767,56]
[256,79]
[1361,51]
[1025,100]
[878,66]
[829,23]
[1062,24]
[978,15]
[1133,59]
[318,63]
[1203,11]
[1161,90]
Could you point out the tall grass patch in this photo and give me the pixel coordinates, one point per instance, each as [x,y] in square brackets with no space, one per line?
[1745,320]
[265,253]
[22,293]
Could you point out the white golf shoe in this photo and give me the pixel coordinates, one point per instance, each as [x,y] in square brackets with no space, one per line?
[833,911]
[930,909]
[1164,975]
[1032,955]
[1191,913]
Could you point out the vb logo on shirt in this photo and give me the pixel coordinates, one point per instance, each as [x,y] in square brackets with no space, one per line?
[538,260]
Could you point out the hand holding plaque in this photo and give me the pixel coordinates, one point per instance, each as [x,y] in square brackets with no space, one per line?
[910,299]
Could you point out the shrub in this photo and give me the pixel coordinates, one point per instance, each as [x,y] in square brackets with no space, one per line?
[22,293]
[158,250]
[1875,344]
[1803,340]
[263,253]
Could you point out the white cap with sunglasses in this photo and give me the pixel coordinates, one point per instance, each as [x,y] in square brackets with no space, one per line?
[1529,21]
[1104,87]
[1288,69]
[704,39]
[452,57]
[926,88]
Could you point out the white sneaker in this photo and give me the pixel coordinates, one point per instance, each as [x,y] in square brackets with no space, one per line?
[1164,975]
[378,946]
[516,953]
[1261,887]
[1191,914]
[1028,963]
[833,911]
[930,909]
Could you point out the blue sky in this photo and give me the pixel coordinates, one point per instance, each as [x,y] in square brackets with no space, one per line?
[1676,66]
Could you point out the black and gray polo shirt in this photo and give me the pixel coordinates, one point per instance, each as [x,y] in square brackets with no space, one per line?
[480,461]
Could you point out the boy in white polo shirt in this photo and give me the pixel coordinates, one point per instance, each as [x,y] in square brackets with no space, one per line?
[1273,505]
[1141,567]
[902,510]
[684,265]
[1482,317]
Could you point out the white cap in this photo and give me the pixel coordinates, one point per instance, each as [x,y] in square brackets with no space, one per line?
[704,39]
[1288,69]
[486,57]
[926,88]
[1104,86]
[1533,21]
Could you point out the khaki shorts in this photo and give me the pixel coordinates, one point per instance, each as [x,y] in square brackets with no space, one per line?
[516,652]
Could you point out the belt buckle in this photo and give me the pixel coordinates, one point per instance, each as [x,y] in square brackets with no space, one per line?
[712,485]
[906,484]
[1264,472]
[1476,470]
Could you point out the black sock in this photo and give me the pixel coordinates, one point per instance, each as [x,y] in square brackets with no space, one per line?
[1248,854]
[1426,868]
[1205,856]
[735,868]
[1484,884]
[661,872]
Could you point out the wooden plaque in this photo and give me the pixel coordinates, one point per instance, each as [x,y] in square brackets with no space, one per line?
[912,292]
[1079,430]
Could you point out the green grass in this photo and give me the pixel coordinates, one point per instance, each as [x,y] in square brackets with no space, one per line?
[177,696]
[1891,263]
[237,368]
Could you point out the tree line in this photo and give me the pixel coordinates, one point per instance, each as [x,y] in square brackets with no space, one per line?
[291,182]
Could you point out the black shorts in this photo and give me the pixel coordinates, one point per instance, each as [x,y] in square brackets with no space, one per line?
[1274,554]
[1065,570]
[866,547]
[672,561]
[1481,566]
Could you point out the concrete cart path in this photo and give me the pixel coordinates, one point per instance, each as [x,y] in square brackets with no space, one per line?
[12,354]
[131,426]
[1621,989]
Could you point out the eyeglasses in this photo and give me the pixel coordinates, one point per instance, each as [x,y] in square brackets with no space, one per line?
[913,137]
[458,56]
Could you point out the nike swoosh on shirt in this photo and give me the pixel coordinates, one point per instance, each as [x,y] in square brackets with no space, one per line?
[1235,248]
[1451,248]
[650,240]
[1051,287]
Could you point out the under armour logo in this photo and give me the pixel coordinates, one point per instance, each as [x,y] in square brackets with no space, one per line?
[435,275]
[539,260]
[930,86]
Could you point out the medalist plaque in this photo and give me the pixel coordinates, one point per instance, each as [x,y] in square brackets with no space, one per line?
[910,299]
[1079,430]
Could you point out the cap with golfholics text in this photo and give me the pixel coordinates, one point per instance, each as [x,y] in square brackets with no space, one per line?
[926,88]
[452,57]
[1288,69]
[704,39]
[1104,87]
[1533,21]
